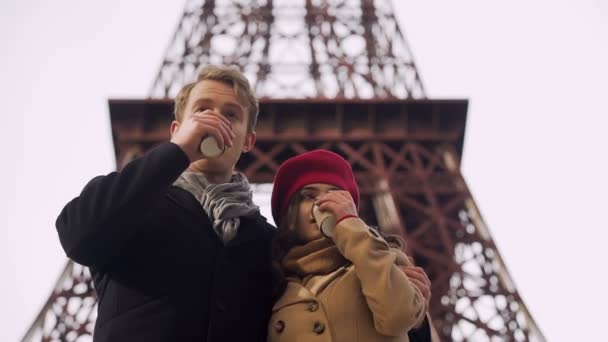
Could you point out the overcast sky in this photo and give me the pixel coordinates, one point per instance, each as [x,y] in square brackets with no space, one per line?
[534,71]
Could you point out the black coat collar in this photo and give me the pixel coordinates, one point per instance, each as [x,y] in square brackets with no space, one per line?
[251,227]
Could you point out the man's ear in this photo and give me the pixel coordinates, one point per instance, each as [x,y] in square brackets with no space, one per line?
[174,127]
[249,142]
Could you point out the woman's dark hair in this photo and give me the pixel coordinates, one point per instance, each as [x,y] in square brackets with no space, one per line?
[283,241]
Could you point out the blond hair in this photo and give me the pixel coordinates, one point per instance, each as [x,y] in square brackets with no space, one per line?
[229,75]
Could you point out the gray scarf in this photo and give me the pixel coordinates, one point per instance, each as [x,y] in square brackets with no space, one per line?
[223,203]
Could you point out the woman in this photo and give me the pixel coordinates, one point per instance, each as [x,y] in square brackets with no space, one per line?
[345,286]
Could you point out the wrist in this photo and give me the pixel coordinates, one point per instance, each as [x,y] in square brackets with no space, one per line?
[183,147]
[342,218]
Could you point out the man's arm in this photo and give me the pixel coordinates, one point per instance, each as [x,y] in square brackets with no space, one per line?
[94,226]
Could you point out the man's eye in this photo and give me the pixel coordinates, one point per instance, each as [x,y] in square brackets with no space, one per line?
[201,109]
[231,115]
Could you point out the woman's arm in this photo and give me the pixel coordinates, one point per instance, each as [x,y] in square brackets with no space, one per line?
[396,305]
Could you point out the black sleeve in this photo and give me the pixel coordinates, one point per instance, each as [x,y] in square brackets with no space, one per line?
[108,212]
[421,333]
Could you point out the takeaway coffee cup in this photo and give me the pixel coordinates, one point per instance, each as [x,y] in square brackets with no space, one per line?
[210,148]
[325,220]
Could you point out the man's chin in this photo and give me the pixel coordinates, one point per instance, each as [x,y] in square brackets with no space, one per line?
[212,165]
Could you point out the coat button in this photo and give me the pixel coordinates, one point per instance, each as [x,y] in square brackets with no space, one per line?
[279,326]
[313,306]
[318,328]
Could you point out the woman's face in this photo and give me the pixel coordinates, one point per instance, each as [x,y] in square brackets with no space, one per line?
[305,227]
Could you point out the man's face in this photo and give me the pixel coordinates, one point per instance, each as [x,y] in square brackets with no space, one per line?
[220,98]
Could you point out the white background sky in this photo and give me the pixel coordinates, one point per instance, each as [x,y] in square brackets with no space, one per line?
[535,73]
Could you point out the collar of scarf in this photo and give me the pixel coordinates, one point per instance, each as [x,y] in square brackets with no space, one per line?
[224,204]
[314,258]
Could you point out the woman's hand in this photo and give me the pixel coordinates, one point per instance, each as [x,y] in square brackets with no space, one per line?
[338,202]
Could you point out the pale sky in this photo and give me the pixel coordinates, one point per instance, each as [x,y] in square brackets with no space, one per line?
[534,71]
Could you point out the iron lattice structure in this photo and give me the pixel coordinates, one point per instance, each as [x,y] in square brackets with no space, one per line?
[368,106]
[294,48]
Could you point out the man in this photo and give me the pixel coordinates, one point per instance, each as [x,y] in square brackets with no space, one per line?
[177,249]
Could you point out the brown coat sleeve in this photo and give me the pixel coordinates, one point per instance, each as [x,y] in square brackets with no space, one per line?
[395,303]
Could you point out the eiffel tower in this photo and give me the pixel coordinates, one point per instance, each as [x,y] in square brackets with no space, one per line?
[335,74]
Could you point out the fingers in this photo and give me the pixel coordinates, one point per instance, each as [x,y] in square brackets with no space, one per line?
[427,278]
[418,278]
[215,126]
[410,259]
[420,285]
[425,290]
[337,204]
[209,112]
[416,273]
[215,129]
[336,195]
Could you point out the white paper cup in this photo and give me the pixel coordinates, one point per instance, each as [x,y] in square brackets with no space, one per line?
[325,220]
[210,148]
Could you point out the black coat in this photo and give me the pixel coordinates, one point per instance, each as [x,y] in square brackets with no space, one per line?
[160,271]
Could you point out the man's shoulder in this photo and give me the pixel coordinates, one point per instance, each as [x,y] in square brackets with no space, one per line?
[182,197]
[260,222]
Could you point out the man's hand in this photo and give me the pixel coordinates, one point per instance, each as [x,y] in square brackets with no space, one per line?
[418,277]
[194,127]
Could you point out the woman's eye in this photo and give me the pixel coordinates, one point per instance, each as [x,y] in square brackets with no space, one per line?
[309,197]
[231,115]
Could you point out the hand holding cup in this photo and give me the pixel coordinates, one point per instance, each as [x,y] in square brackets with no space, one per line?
[330,208]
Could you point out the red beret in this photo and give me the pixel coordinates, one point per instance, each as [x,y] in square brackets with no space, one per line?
[318,166]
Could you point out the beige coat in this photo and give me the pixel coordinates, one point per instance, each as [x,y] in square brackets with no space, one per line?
[370,300]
